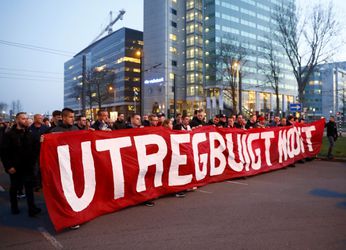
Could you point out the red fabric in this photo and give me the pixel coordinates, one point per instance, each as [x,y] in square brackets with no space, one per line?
[105,198]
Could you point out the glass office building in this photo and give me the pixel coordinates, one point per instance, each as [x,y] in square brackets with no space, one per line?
[185,39]
[325,91]
[112,75]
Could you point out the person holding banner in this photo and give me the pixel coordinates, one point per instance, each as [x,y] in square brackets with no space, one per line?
[198,120]
[67,122]
[101,123]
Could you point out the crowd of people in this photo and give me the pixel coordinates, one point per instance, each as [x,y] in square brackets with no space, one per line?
[20,141]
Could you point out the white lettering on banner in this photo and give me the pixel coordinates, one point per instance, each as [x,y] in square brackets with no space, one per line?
[290,143]
[267,136]
[245,152]
[77,204]
[302,148]
[255,164]
[144,160]
[307,131]
[295,142]
[236,166]
[114,146]
[282,145]
[217,153]
[174,179]
[203,158]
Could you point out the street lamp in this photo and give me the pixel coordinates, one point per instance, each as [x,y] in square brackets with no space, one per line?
[139,54]
[313,111]
[236,66]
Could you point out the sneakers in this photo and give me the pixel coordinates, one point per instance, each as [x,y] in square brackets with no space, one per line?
[191,189]
[75,227]
[34,211]
[149,203]
[180,195]
[20,195]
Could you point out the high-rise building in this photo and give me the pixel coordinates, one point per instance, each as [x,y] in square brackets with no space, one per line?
[187,40]
[112,74]
[325,91]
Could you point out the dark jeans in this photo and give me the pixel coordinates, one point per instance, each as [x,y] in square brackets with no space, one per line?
[17,182]
[331,146]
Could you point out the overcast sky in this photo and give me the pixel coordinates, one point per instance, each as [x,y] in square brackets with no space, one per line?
[67,26]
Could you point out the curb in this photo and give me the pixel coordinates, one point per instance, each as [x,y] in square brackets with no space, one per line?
[331,160]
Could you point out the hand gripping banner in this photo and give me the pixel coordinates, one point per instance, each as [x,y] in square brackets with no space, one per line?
[90,173]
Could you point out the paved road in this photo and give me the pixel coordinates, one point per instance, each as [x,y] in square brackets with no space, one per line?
[293,208]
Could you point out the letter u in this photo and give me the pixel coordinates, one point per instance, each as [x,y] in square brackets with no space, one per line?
[77,204]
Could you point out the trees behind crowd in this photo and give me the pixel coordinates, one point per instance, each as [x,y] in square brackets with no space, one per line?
[308,38]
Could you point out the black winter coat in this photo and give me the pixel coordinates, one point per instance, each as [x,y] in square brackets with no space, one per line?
[19,151]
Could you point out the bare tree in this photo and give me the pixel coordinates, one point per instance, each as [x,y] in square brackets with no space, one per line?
[307,41]
[16,107]
[98,88]
[271,69]
[3,106]
[229,59]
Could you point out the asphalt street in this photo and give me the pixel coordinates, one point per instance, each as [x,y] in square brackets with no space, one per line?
[294,208]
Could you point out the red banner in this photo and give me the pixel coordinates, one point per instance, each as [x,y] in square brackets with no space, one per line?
[90,173]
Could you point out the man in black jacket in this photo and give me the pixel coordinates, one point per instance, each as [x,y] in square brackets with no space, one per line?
[67,123]
[19,160]
[332,134]
[198,120]
[101,122]
[120,122]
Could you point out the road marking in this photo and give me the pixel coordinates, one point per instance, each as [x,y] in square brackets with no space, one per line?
[239,183]
[202,191]
[51,239]
[2,189]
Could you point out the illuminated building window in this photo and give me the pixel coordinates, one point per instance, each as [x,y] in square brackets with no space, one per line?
[171,76]
[136,70]
[93,94]
[173,37]
[173,50]
[128,59]
[136,79]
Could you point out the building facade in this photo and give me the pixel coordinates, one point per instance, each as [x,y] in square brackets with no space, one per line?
[325,91]
[106,75]
[187,38]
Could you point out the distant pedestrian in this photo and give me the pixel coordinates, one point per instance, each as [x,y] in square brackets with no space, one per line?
[184,124]
[81,122]
[275,122]
[120,122]
[168,124]
[153,120]
[145,121]
[332,135]
[102,119]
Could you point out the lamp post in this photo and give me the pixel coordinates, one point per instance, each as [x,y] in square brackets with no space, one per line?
[139,53]
[236,66]
[313,112]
